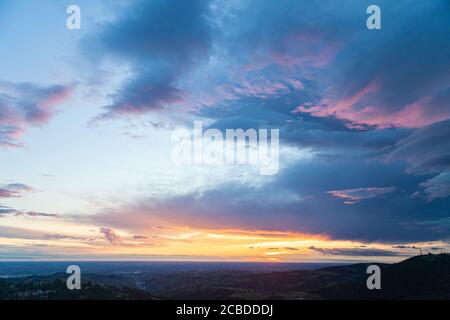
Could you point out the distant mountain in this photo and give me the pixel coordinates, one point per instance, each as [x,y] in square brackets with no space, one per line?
[420,277]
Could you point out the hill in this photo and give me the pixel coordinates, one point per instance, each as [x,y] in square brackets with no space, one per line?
[420,277]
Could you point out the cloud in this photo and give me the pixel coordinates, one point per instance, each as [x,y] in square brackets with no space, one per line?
[250,207]
[36,214]
[18,190]
[378,93]
[111,236]
[56,236]
[329,109]
[418,113]
[437,187]
[6,211]
[161,41]
[354,195]
[15,190]
[24,233]
[404,247]
[25,104]
[205,52]
[426,150]
[140,96]
[356,252]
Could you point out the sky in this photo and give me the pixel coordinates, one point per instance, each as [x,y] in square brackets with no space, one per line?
[87,117]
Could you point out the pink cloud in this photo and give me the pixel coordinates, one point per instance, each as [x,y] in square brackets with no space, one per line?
[111,236]
[297,50]
[51,98]
[23,105]
[342,108]
[14,190]
[361,108]
[351,196]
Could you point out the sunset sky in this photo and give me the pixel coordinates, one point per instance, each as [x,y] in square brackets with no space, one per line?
[86,118]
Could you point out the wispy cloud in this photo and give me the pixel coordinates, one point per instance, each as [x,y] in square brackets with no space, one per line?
[356,252]
[36,214]
[352,196]
[26,104]
[111,236]
[15,190]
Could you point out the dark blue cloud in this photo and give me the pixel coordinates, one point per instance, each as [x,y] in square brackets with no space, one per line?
[160,40]
[405,63]
[427,149]
[408,56]
[6,211]
[395,76]
[356,252]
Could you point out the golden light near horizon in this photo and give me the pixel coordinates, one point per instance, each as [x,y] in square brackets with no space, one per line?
[85,241]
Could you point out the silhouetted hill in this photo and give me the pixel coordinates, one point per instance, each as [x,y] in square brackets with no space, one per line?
[421,277]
